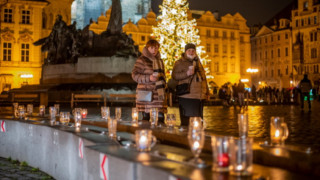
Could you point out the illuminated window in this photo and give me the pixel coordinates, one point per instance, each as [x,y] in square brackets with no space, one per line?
[25,19]
[232,49]
[8,15]
[7,49]
[25,52]
[224,49]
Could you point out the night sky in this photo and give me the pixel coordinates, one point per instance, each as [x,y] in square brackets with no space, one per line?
[255,11]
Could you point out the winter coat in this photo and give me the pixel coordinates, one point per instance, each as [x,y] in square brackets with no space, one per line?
[199,87]
[305,85]
[141,72]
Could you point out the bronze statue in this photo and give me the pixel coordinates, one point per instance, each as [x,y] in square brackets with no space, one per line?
[65,43]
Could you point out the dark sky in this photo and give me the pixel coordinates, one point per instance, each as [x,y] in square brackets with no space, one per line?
[254,11]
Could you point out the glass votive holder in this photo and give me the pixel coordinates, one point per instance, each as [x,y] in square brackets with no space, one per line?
[243,125]
[84,113]
[278,131]
[112,127]
[220,150]
[42,110]
[171,120]
[105,112]
[29,109]
[15,110]
[195,123]
[77,119]
[154,116]
[64,118]
[22,111]
[240,156]
[134,115]
[118,113]
[144,140]
[57,108]
[52,112]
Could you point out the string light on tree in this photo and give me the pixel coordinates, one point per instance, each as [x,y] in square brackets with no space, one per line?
[174,31]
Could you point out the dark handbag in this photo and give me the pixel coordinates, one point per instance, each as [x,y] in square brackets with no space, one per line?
[184,88]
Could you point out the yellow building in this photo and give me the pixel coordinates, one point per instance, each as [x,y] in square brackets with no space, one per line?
[272,54]
[22,22]
[227,41]
[306,40]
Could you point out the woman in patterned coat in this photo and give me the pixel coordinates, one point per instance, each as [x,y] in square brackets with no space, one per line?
[148,72]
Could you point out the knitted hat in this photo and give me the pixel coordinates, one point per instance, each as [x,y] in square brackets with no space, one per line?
[188,46]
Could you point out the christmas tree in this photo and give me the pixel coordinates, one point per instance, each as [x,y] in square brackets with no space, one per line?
[174,31]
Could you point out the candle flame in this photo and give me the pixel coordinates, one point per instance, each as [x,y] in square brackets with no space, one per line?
[196,145]
[143,139]
[277,133]
[196,124]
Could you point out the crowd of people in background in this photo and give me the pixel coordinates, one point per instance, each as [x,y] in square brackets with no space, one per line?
[236,94]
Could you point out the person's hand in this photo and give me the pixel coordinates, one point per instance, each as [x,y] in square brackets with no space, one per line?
[190,72]
[153,78]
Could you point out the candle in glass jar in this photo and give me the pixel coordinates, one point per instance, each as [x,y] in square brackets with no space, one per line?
[84,114]
[223,160]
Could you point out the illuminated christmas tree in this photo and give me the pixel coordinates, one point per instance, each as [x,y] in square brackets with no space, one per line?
[174,31]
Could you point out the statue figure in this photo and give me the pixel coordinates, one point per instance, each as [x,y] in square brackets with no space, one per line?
[115,22]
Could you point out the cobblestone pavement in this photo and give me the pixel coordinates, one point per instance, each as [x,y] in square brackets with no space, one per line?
[13,169]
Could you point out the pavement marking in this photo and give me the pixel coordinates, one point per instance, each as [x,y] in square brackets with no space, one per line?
[3,126]
[80,148]
[104,164]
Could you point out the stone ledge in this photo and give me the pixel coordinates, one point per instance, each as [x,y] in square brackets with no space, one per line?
[54,149]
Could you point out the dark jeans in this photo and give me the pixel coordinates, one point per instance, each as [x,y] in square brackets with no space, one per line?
[302,95]
[190,108]
[146,116]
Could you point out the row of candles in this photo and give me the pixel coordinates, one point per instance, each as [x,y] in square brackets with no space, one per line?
[229,153]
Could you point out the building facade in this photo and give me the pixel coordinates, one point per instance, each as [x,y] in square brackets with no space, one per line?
[23,22]
[272,55]
[226,41]
[306,42]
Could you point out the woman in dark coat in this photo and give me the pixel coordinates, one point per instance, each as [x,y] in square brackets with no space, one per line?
[148,72]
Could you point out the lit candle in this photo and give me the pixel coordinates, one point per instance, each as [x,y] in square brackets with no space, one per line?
[196,124]
[143,142]
[196,145]
[223,160]
[84,114]
[239,167]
